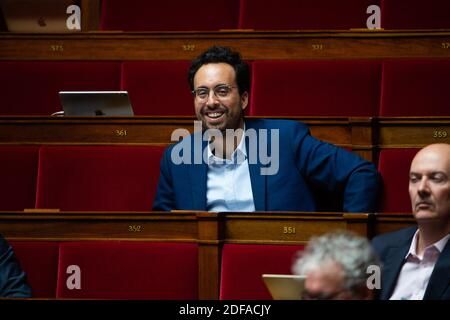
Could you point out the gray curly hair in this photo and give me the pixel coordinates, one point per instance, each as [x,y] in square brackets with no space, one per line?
[351,252]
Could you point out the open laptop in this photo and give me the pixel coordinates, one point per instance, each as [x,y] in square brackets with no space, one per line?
[284,286]
[95,103]
[36,16]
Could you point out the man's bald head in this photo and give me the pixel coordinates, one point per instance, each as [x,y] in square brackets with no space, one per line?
[429,183]
[442,150]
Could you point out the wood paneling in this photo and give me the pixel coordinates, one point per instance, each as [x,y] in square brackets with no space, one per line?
[76,130]
[365,136]
[352,44]
[136,130]
[412,132]
[90,15]
[388,222]
[202,227]
[99,226]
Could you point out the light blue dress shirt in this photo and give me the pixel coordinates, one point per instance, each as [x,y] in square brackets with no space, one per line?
[228,186]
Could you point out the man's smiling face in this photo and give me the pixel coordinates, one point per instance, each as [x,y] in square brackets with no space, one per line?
[224,109]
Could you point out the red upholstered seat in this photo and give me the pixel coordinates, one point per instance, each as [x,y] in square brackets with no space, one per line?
[243,265]
[31,87]
[394,165]
[128,270]
[415,87]
[304,14]
[39,260]
[415,14]
[158,87]
[18,171]
[169,15]
[108,178]
[315,88]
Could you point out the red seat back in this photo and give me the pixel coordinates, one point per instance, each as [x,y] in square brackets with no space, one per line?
[158,87]
[394,165]
[98,178]
[128,270]
[315,88]
[39,260]
[304,14]
[415,14]
[243,266]
[169,15]
[415,87]
[18,171]
[31,87]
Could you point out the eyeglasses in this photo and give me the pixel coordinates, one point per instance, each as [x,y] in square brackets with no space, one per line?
[222,91]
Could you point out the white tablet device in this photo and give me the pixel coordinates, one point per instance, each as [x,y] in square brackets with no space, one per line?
[284,286]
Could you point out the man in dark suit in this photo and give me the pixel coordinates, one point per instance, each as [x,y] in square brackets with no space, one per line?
[12,278]
[416,261]
[233,164]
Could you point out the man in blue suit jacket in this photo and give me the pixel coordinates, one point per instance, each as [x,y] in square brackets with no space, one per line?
[416,261]
[12,278]
[232,164]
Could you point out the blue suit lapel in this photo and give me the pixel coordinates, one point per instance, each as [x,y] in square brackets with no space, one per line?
[257,179]
[440,278]
[258,186]
[197,179]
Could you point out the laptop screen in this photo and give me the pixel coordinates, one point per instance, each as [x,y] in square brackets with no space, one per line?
[39,16]
[96,103]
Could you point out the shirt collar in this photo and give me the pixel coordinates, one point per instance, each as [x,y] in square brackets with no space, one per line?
[238,156]
[439,245]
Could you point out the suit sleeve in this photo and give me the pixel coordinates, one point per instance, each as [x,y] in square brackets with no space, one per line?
[12,279]
[378,245]
[165,197]
[337,170]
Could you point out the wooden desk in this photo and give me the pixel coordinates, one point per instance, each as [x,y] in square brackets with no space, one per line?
[411,132]
[209,230]
[253,45]
[142,129]
[364,135]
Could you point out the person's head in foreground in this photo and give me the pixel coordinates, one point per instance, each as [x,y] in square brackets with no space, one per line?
[335,265]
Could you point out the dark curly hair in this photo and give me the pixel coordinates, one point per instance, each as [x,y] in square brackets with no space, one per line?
[220,54]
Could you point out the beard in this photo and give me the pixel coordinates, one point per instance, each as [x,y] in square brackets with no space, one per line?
[229,121]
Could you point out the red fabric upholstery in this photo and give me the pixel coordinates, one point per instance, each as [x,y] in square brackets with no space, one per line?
[415,87]
[109,178]
[18,171]
[169,15]
[31,87]
[39,260]
[415,14]
[130,270]
[158,87]
[304,14]
[243,265]
[394,165]
[315,88]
